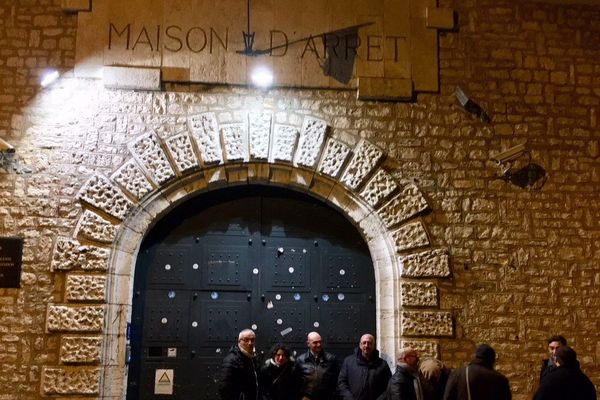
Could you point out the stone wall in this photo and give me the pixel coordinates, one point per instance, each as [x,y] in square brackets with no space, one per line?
[524,262]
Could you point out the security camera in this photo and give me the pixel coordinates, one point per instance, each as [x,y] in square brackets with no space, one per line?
[509,155]
[6,147]
[471,106]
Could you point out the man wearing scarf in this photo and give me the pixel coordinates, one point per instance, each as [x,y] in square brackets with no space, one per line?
[239,379]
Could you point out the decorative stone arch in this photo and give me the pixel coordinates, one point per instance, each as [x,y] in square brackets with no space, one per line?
[222,149]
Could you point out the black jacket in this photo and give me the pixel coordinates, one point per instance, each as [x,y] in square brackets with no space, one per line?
[566,383]
[318,376]
[362,379]
[401,386]
[546,368]
[238,376]
[484,381]
[278,383]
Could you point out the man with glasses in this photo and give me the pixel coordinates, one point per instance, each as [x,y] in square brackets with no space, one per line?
[405,383]
[239,377]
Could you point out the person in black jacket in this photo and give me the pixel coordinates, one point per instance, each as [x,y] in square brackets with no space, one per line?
[364,375]
[548,364]
[318,371]
[479,378]
[566,381]
[277,380]
[239,371]
[405,384]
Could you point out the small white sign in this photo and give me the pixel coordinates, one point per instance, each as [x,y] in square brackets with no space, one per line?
[163,381]
[172,352]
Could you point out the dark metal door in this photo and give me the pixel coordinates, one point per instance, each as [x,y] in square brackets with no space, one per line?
[268,259]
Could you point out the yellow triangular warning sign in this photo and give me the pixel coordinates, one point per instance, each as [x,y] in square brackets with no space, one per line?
[164,378]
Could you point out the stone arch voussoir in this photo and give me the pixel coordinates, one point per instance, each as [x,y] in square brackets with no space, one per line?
[220,149]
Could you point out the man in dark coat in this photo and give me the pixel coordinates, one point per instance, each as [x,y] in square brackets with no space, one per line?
[364,375]
[239,371]
[405,384]
[548,364]
[567,381]
[318,371]
[484,382]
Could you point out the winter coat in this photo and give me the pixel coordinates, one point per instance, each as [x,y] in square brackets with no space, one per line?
[318,376]
[362,379]
[566,383]
[401,386]
[546,368]
[239,376]
[278,383]
[485,383]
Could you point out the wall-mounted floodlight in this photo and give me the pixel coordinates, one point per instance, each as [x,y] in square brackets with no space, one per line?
[528,175]
[262,77]
[49,77]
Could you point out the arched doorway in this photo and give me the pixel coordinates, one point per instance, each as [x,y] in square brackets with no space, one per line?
[277,261]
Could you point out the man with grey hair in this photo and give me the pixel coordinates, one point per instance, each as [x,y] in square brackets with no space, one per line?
[405,383]
[239,371]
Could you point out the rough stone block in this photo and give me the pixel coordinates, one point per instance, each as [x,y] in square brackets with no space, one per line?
[62,318]
[69,254]
[426,323]
[71,380]
[333,158]
[80,349]
[389,89]
[410,236]
[99,192]
[366,157]
[418,294]
[92,226]
[131,178]
[205,131]
[259,126]
[426,264]
[380,186]
[284,143]
[131,78]
[151,156]
[235,142]
[312,137]
[85,288]
[182,152]
[407,204]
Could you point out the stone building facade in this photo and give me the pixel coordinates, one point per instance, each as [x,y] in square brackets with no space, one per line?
[460,256]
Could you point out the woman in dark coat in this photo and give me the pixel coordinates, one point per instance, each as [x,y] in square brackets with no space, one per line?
[277,380]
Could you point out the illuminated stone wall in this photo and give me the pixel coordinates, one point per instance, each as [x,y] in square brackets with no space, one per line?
[95,166]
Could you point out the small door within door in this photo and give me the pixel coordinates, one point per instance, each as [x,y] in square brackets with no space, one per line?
[275,261]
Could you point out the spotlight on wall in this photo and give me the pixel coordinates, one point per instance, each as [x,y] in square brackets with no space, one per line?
[262,77]
[6,147]
[528,176]
[471,106]
[49,77]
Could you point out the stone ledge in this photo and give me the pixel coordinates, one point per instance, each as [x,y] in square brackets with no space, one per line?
[76,5]
[131,78]
[385,89]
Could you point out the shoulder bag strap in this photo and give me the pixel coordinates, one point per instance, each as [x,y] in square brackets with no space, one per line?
[468,388]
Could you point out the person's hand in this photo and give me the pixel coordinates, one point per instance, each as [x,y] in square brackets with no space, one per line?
[305,398]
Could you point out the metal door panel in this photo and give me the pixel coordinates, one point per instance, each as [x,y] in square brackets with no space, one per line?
[341,270]
[166,316]
[225,266]
[286,267]
[286,322]
[167,267]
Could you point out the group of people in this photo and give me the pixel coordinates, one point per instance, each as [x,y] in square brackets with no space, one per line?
[364,375]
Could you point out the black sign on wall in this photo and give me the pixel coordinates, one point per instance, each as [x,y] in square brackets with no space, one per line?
[11,254]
